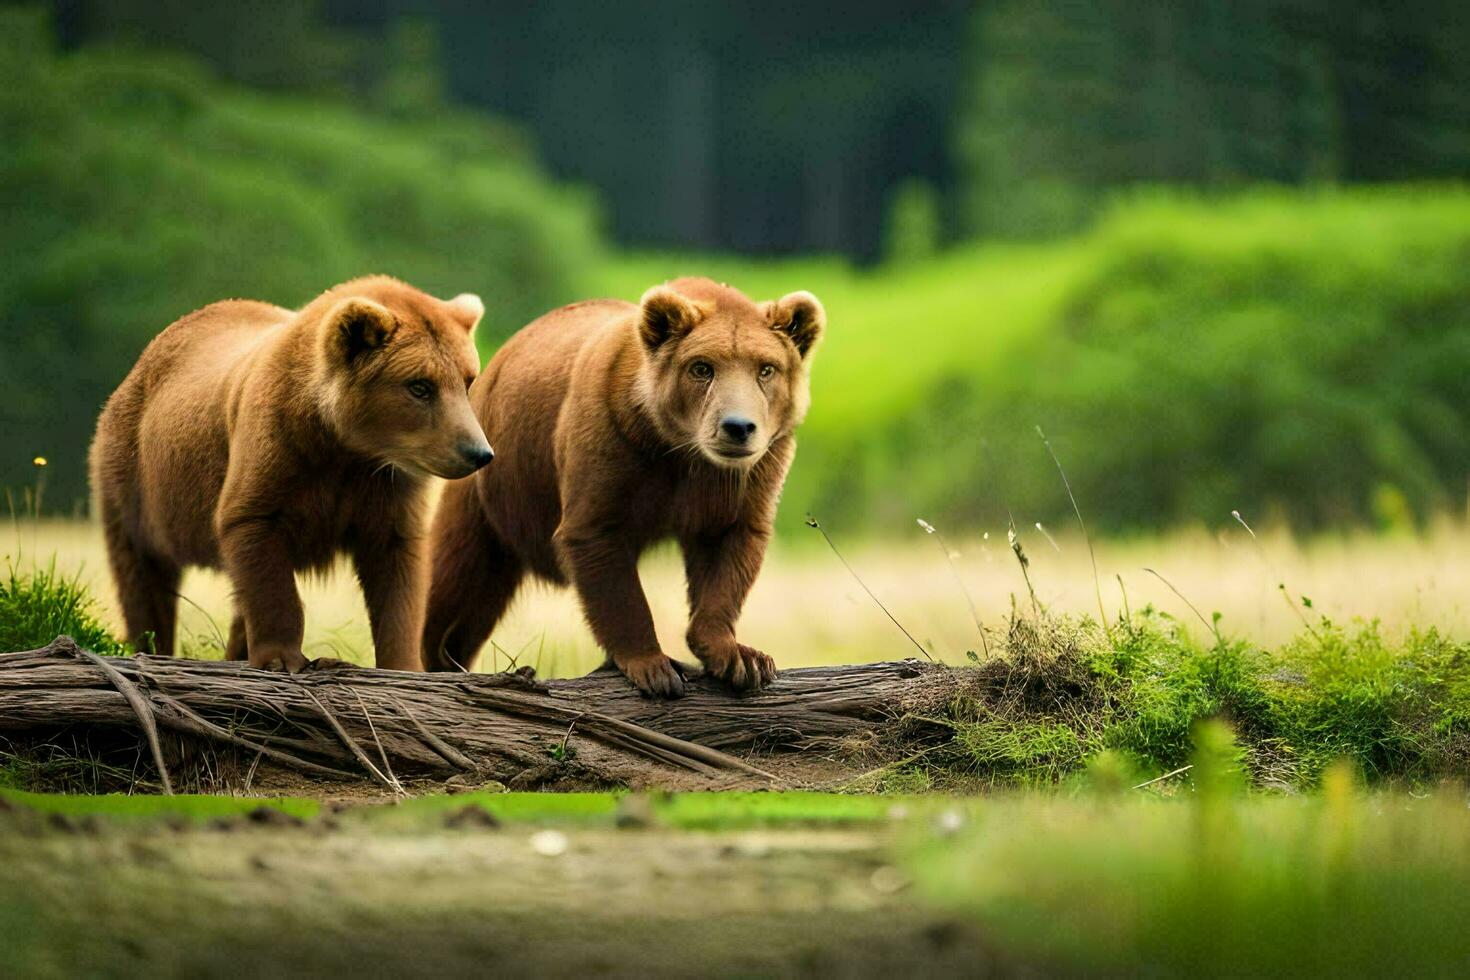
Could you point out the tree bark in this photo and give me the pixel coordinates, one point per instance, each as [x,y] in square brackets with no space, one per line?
[392,726]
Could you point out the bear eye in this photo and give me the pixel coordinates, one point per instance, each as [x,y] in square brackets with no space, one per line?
[700,371]
[421,389]
[766,371]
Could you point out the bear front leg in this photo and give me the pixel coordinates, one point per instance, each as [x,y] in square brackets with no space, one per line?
[393,575]
[605,573]
[255,556]
[721,569]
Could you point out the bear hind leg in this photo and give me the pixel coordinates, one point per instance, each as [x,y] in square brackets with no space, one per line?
[235,648]
[148,587]
[475,576]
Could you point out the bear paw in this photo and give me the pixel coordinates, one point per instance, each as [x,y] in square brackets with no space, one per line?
[743,668]
[654,674]
[275,658]
[328,663]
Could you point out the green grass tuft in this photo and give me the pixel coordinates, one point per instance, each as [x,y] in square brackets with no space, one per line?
[39,605]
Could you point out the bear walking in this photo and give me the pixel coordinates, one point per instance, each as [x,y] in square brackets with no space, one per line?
[266,441]
[621,425]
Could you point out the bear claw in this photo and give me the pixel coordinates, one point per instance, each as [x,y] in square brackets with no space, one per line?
[655,676]
[747,669]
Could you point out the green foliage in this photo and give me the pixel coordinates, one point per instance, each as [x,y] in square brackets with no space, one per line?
[707,128]
[272,44]
[136,188]
[38,605]
[1274,354]
[1110,774]
[913,231]
[1218,766]
[1337,884]
[1025,751]
[1064,700]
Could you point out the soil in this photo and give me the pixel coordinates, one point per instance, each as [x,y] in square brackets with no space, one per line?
[272,897]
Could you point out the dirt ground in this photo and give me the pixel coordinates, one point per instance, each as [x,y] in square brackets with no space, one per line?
[331,895]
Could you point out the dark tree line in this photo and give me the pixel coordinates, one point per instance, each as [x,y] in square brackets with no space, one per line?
[775,126]
[764,126]
[1066,102]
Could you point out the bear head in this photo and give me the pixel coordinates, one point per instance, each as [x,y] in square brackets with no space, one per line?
[394,370]
[721,375]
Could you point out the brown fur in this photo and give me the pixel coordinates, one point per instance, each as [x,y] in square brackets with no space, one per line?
[265,442]
[610,441]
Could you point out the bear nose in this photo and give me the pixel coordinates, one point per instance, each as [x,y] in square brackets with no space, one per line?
[737,429]
[477,455]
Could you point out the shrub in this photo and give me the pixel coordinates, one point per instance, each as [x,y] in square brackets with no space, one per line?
[1279,354]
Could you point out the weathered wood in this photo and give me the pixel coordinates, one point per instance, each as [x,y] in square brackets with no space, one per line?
[392,725]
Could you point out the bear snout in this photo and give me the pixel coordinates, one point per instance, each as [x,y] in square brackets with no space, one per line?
[476,455]
[736,429]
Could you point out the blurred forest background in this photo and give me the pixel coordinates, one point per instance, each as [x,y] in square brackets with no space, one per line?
[1218,251]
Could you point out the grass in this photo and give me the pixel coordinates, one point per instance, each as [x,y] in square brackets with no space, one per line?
[1062,697]
[551,898]
[40,604]
[136,810]
[717,811]
[1218,883]
[1421,581]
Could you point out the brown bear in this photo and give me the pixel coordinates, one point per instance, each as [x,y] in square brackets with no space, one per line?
[620,425]
[265,442]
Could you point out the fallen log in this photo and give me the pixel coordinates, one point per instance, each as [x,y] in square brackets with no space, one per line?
[392,726]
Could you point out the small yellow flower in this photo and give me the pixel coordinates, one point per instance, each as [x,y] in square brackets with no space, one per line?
[39,461]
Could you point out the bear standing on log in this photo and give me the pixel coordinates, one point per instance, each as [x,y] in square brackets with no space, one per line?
[617,426]
[266,441]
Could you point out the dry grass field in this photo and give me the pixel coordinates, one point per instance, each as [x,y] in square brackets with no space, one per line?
[807,609]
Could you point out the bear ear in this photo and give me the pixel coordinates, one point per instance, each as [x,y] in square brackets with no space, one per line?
[358,326]
[467,309]
[800,317]
[665,314]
